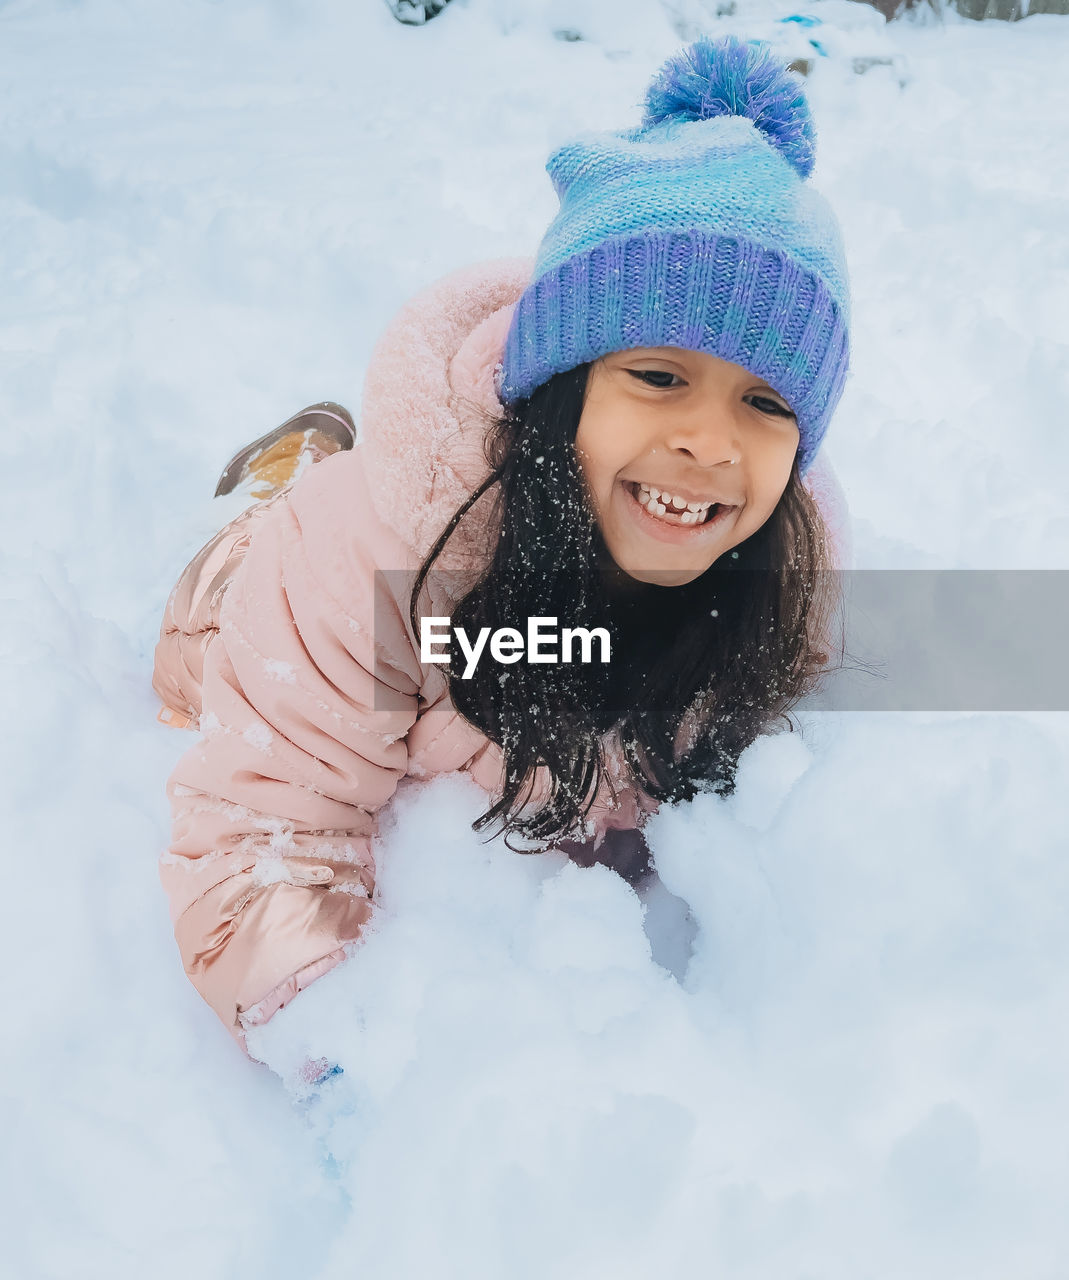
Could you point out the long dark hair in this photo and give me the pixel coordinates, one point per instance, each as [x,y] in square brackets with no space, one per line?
[698,671]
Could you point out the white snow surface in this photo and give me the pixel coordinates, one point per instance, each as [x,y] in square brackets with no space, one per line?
[830,1039]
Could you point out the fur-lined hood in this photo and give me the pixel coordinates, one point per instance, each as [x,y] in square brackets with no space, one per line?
[428,397]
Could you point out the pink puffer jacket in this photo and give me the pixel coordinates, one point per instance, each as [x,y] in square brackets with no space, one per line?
[298,664]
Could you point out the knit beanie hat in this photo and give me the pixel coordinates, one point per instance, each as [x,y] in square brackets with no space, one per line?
[696,230]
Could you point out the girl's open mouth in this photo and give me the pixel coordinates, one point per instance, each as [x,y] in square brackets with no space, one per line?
[663,521]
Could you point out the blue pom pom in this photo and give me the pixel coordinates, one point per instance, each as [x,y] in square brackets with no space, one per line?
[733,77]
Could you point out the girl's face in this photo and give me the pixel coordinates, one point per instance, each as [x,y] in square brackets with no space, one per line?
[664,423]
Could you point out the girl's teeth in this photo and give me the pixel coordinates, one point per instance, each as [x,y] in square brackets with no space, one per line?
[660,502]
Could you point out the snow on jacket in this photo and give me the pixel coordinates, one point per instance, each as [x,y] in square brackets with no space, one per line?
[298,664]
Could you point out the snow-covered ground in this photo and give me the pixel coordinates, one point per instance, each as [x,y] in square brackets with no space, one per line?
[207,213]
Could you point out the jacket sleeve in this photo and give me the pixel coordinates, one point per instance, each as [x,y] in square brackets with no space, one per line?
[306,706]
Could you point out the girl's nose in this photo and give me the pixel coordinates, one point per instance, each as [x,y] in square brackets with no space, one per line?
[710,444]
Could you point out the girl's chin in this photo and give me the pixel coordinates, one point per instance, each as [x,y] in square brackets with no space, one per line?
[664,577]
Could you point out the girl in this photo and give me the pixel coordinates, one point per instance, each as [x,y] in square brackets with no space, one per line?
[615,436]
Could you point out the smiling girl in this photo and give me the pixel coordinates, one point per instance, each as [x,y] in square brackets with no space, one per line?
[680,419]
[621,434]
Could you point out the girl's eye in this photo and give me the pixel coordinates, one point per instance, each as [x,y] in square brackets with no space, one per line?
[773,406]
[644,374]
[763,403]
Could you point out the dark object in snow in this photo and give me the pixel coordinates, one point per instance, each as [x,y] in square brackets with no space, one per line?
[414,13]
[978,10]
[274,459]
[1008,10]
[621,850]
